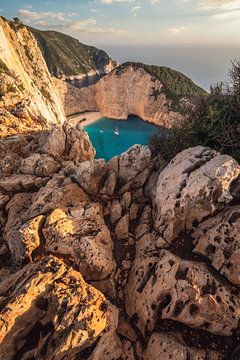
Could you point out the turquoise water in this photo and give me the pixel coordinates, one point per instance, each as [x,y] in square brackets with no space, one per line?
[129,132]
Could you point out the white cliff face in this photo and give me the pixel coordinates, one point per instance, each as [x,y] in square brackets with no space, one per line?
[120,94]
[19,51]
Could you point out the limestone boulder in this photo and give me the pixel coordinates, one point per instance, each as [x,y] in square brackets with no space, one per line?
[217,238]
[78,145]
[109,184]
[24,240]
[126,200]
[166,347]
[49,301]
[16,209]
[133,161]
[122,228]
[39,165]
[3,200]
[194,185]
[109,346]
[54,144]
[89,175]
[81,234]
[18,182]
[115,211]
[164,286]
[60,192]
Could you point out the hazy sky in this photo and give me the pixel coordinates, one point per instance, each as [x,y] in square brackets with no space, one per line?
[153,22]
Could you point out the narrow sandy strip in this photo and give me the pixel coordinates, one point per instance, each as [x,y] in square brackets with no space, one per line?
[87,118]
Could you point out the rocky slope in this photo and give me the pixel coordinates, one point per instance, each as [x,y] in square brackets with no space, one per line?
[138,89]
[70,60]
[28,98]
[134,259]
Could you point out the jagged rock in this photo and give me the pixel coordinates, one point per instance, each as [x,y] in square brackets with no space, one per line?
[82,234]
[89,175]
[115,211]
[126,330]
[51,302]
[113,164]
[121,228]
[194,185]
[39,165]
[16,209]
[150,185]
[109,346]
[23,241]
[127,351]
[136,183]
[110,184]
[54,144]
[144,222]
[133,161]
[59,192]
[133,212]
[78,146]
[162,285]
[217,238]
[3,200]
[19,182]
[126,200]
[166,347]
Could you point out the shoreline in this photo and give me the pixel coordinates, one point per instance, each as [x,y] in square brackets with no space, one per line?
[90,117]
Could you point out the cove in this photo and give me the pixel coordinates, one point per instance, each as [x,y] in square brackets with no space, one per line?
[112,137]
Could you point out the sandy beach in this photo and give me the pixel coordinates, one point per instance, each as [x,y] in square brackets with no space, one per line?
[90,117]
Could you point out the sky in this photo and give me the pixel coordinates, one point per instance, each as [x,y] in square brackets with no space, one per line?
[134,22]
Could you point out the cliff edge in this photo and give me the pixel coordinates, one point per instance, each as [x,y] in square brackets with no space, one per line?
[28,97]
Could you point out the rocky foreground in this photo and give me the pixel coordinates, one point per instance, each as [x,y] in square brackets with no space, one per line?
[127,260]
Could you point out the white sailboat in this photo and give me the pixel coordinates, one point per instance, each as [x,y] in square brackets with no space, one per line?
[116,132]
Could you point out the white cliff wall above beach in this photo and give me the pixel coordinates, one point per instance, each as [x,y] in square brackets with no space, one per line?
[120,94]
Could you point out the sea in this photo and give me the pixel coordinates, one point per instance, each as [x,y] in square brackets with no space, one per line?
[111,137]
[205,65]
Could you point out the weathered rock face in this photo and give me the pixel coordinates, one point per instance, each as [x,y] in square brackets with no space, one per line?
[53,299]
[180,290]
[83,236]
[120,94]
[217,238]
[194,185]
[28,98]
[159,243]
[166,347]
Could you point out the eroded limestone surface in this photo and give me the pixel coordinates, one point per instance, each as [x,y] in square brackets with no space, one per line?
[134,259]
[49,297]
[194,185]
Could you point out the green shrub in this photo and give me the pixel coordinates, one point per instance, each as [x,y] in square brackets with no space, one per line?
[213,121]
[46,94]
[10,88]
[28,53]
[3,67]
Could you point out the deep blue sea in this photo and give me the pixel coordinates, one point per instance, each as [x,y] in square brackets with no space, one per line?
[205,65]
[112,137]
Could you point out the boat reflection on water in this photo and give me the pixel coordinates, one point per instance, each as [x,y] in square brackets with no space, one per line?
[116,132]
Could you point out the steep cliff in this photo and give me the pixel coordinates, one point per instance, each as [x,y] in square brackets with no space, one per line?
[152,93]
[66,57]
[27,94]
